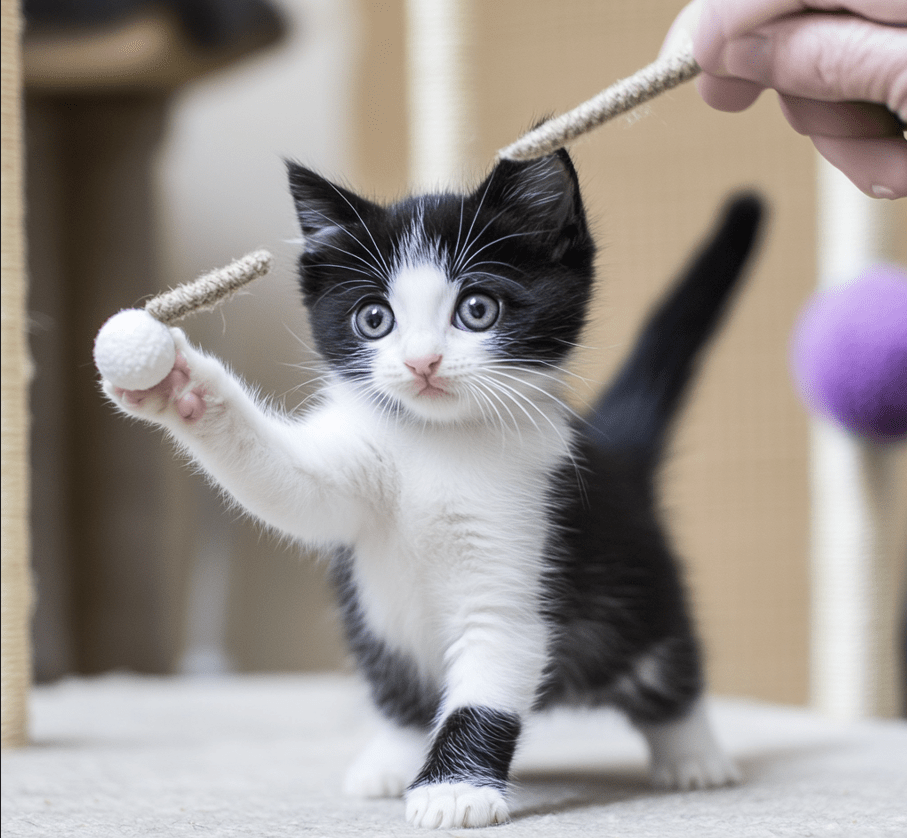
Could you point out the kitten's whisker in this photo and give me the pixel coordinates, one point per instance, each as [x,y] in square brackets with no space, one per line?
[487,409]
[350,283]
[456,248]
[528,366]
[489,392]
[544,392]
[585,346]
[492,243]
[470,242]
[476,267]
[568,448]
[377,252]
[331,222]
[312,351]
[463,278]
[498,241]
[459,256]
[346,268]
[509,391]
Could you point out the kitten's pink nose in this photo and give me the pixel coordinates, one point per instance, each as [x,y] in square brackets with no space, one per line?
[424,367]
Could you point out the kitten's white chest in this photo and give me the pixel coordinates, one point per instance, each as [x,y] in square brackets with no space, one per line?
[468,517]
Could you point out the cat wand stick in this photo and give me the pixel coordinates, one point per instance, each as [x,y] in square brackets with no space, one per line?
[663,74]
[134,349]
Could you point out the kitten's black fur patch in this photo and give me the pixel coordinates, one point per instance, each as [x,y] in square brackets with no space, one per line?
[474,745]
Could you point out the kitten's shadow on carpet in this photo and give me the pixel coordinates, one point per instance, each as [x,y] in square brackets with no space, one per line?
[553,791]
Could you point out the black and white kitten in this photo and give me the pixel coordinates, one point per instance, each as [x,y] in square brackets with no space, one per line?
[493,556]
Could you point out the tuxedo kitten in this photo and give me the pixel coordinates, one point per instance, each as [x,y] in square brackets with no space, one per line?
[493,555]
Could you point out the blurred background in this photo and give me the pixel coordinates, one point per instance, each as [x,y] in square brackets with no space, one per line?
[156,134]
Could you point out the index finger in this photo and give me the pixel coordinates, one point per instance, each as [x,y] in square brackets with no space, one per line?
[722,20]
[737,16]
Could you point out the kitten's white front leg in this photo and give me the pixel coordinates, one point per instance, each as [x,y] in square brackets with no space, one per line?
[493,672]
[294,476]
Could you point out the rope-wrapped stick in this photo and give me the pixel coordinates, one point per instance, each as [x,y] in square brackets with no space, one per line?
[661,75]
[209,291]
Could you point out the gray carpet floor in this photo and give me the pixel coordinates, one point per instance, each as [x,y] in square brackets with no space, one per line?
[263,756]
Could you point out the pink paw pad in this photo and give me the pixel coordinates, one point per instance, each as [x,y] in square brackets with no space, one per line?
[190,405]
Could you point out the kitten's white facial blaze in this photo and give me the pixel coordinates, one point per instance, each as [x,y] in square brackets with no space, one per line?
[424,361]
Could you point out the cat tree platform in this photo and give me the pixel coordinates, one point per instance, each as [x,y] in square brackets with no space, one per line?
[263,756]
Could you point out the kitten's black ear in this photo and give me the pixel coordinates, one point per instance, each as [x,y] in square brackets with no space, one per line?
[322,205]
[544,194]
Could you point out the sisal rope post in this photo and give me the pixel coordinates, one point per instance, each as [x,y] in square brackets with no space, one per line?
[663,74]
[15,617]
[853,671]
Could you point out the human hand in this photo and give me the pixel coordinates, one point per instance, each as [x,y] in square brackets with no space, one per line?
[839,67]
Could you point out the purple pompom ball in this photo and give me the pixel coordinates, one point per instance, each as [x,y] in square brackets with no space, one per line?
[849,354]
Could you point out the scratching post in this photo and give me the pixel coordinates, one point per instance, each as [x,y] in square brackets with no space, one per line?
[16,587]
[852,488]
[438,90]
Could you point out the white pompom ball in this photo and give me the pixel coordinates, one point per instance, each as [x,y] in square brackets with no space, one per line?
[134,351]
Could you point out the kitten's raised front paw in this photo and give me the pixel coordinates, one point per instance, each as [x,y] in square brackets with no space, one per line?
[178,390]
[452,805]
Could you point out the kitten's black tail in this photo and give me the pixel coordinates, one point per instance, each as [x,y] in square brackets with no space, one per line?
[635,413]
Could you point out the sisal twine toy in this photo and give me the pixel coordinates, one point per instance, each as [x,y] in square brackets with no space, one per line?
[134,349]
[663,74]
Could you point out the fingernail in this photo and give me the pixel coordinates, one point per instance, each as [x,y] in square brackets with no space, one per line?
[883,192]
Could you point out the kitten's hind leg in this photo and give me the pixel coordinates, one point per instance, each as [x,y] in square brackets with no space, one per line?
[388,764]
[686,755]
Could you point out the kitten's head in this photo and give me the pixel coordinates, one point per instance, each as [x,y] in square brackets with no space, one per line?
[449,307]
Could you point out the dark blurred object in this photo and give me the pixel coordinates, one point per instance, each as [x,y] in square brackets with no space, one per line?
[135,45]
[210,23]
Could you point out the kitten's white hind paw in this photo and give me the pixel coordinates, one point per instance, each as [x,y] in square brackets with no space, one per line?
[695,771]
[685,754]
[453,805]
[387,766]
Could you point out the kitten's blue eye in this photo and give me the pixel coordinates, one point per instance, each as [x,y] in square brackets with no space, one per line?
[477,312]
[374,320]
